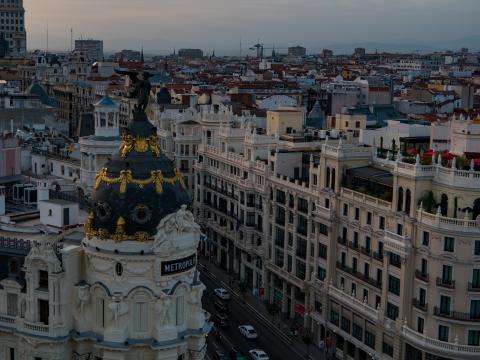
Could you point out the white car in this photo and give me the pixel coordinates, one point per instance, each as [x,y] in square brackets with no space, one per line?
[222,294]
[258,354]
[248,331]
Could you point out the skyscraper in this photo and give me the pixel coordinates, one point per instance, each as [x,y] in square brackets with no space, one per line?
[12,26]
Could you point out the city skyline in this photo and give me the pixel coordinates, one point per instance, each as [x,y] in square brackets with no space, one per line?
[432,24]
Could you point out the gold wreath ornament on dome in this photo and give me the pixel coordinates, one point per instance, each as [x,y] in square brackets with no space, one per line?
[119,234]
[141,145]
[126,177]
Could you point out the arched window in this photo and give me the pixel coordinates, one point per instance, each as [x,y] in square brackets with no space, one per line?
[400,199]
[408,201]
[444,205]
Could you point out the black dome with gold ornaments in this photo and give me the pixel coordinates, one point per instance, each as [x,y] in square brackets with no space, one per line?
[136,188]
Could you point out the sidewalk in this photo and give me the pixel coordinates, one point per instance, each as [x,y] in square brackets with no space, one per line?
[259,305]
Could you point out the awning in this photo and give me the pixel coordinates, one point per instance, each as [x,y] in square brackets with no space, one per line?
[12,179]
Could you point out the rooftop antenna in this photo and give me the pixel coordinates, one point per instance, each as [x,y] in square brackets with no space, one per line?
[240,46]
[71,39]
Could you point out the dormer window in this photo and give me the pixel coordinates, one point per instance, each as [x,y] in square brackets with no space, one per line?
[13,267]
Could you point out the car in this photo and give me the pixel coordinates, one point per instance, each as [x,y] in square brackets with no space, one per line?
[248,331]
[257,354]
[222,293]
[236,354]
[221,306]
[221,320]
[218,355]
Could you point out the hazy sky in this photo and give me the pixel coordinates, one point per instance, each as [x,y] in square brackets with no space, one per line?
[219,24]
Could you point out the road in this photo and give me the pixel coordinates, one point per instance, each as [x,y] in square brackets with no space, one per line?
[271,340]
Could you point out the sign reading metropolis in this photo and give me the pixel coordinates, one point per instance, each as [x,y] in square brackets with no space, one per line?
[179,265]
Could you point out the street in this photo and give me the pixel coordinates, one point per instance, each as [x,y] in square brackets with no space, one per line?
[274,342]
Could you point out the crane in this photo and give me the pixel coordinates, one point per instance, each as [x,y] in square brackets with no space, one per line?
[260,49]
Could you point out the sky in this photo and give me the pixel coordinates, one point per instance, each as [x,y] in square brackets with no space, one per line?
[163,25]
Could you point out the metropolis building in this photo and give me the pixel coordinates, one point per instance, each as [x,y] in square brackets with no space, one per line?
[130,288]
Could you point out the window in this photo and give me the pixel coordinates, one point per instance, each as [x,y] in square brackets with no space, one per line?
[443,333]
[289,263]
[12,304]
[366,271]
[334,317]
[477,247]
[357,213]
[180,308]
[43,279]
[444,305]
[424,267]
[368,242]
[345,324]
[321,273]
[369,339]
[395,260]
[140,317]
[323,229]
[345,210]
[343,257]
[426,238]
[392,311]
[49,212]
[446,274]
[476,279]
[354,264]
[379,277]
[322,251]
[357,332]
[369,218]
[301,248]
[394,285]
[475,309]
[381,224]
[400,229]
[43,311]
[422,295]
[327,203]
[449,244]
[302,205]
[420,325]
[474,337]
[387,349]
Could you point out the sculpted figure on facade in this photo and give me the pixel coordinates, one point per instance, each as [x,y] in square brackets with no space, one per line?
[162,310]
[118,309]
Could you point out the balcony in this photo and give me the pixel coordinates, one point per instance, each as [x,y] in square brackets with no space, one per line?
[378,256]
[398,244]
[455,315]
[473,287]
[449,284]
[420,305]
[366,251]
[445,349]
[342,241]
[359,275]
[353,245]
[352,302]
[446,223]
[421,276]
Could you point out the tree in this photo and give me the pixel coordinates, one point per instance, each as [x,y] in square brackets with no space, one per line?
[428,201]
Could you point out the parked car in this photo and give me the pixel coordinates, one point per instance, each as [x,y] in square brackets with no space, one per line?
[236,354]
[248,331]
[257,354]
[221,306]
[222,293]
[220,320]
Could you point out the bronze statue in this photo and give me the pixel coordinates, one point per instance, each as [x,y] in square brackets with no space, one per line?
[141,87]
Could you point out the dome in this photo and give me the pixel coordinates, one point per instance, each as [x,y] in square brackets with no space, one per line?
[204,99]
[136,188]
[164,97]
